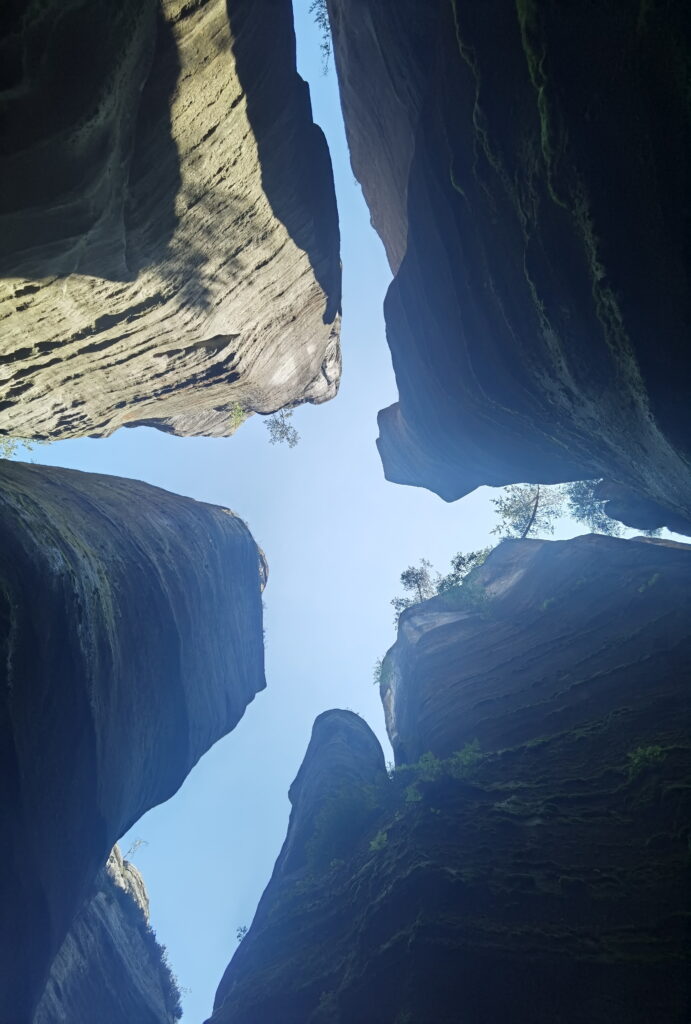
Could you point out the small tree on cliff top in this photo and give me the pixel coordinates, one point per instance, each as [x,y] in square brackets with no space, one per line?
[525,510]
[422,582]
[585,507]
[531,510]
[462,565]
[281,430]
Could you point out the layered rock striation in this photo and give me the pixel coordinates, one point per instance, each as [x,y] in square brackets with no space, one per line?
[528,860]
[527,169]
[131,631]
[110,967]
[170,243]
[549,636]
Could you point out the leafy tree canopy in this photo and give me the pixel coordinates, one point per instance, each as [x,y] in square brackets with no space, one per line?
[531,510]
[582,505]
[320,11]
[462,565]
[525,510]
[422,582]
[281,430]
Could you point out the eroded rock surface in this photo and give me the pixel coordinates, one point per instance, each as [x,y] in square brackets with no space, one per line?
[170,245]
[110,967]
[553,634]
[532,864]
[131,632]
[343,757]
[381,136]
[527,167]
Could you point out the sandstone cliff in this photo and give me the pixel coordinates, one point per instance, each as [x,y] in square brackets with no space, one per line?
[527,167]
[110,968]
[268,979]
[532,864]
[170,244]
[555,634]
[131,641]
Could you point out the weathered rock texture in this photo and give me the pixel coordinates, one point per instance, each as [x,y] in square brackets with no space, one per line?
[555,634]
[170,246]
[110,967]
[541,874]
[527,167]
[131,633]
[343,757]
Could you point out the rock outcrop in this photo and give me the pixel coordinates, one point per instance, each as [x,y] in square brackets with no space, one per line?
[531,863]
[110,967]
[170,244]
[555,635]
[343,759]
[527,167]
[131,633]
[636,511]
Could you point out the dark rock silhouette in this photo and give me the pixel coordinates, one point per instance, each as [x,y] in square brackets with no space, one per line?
[527,167]
[528,860]
[343,759]
[131,641]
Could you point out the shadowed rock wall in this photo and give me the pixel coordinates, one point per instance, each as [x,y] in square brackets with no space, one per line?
[343,757]
[530,183]
[170,244]
[110,967]
[131,633]
[381,135]
[555,634]
[532,865]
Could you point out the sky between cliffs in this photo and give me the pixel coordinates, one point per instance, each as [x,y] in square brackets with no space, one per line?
[336,536]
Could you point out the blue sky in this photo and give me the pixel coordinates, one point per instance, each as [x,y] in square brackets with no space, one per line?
[337,537]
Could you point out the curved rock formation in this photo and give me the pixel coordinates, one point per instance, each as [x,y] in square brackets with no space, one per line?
[532,864]
[343,758]
[110,967]
[170,244]
[527,167]
[131,633]
[638,512]
[381,136]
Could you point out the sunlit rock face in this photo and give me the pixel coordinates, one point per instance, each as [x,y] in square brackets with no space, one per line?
[131,631]
[169,245]
[110,967]
[527,168]
[532,865]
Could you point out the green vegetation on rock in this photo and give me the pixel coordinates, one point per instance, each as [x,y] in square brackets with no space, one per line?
[281,430]
[456,586]
[238,415]
[642,758]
